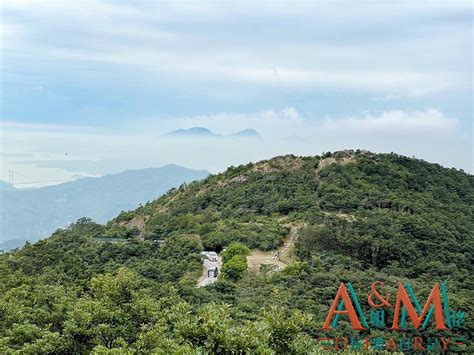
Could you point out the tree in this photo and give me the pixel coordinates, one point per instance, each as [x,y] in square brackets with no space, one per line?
[235,268]
[235,249]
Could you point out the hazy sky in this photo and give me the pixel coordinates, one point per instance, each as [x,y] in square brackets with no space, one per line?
[89,87]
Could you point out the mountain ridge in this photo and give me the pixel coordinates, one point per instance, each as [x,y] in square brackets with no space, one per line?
[25,216]
[205,132]
[5,186]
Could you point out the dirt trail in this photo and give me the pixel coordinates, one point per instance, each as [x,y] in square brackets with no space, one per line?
[258,257]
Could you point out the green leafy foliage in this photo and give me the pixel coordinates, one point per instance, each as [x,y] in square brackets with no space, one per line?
[234,268]
[234,249]
[120,288]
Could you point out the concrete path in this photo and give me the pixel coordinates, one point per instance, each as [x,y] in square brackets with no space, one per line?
[205,280]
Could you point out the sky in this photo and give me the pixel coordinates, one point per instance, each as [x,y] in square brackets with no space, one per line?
[90,87]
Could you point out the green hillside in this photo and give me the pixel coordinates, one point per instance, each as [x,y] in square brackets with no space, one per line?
[130,285]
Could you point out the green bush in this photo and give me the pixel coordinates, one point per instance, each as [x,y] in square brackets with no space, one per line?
[235,249]
[235,268]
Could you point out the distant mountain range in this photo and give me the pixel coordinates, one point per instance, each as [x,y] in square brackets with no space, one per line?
[5,186]
[205,132]
[31,214]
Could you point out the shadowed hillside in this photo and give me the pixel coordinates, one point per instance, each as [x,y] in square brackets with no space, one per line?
[35,213]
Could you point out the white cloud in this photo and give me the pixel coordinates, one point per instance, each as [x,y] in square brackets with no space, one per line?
[411,121]
[149,38]
[392,50]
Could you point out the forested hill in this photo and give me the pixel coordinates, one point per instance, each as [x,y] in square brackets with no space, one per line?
[130,285]
[383,210]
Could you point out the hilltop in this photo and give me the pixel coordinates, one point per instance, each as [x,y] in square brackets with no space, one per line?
[417,202]
[352,215]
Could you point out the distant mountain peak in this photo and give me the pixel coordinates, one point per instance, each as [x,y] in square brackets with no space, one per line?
[247,133]
[206,132]
[193,131]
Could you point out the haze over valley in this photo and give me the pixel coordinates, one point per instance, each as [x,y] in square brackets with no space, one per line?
[31,214]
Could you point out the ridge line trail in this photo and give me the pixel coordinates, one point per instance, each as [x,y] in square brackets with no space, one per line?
[258,257]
